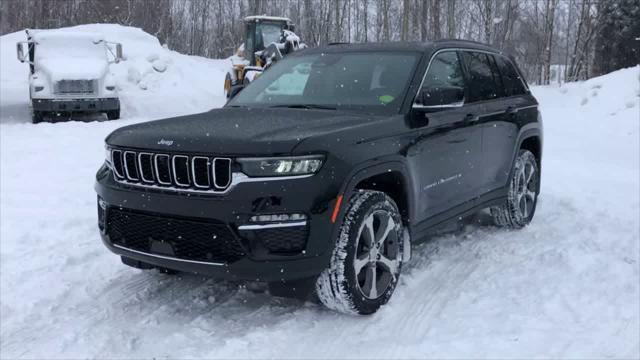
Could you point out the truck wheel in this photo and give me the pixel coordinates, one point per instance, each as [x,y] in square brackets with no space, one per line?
[37,117]
[113,114]
[520,205]
[367,257]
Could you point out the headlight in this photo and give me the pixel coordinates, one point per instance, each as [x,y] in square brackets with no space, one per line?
[281,166]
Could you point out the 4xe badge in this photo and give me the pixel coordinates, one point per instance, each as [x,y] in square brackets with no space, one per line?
[165,142]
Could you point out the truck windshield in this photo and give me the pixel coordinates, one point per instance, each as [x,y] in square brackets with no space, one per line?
[370,81]
[76,47]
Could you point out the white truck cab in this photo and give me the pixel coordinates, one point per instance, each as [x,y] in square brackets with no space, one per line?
[69,72]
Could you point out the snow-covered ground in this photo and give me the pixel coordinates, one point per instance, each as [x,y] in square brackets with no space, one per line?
[566,286]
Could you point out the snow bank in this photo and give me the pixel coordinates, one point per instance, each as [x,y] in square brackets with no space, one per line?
[152,80]
[568,285]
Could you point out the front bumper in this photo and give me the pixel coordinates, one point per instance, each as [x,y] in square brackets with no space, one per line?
[63,105]
[233,209]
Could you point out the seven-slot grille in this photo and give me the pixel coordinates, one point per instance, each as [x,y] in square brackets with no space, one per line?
[75,87]
[181,172]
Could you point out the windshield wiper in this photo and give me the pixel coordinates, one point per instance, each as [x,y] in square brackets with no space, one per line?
[305,106]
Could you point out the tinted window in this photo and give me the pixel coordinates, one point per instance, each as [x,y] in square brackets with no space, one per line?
[510,77]
[482,85]
[444,70]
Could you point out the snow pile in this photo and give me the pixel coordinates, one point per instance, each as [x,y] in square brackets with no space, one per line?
[568,285]
[152,80]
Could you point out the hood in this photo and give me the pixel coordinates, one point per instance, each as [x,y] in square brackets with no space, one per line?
[72,68]
[236,131]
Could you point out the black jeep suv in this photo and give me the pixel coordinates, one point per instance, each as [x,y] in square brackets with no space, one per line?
[320,173]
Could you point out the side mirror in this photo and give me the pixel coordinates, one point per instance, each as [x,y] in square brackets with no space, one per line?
[20,51]
[440,97]
[118,53]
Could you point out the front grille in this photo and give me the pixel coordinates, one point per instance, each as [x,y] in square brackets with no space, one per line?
[186,239]
[181,172]
[72,87]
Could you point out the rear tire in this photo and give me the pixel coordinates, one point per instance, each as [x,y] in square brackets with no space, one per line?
[367,258]
[113,114]
[520,206]
[37,117]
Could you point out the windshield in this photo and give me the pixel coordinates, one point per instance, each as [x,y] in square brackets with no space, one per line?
[373,81]
[70,47]
[270,33]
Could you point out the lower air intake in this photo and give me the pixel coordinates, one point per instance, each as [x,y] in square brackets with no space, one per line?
[186,239]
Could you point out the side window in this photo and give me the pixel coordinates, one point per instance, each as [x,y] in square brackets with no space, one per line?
[481,82]
[444,70]
[512,81]
[444,77]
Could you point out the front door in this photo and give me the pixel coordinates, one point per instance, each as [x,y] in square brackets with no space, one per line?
[448,152]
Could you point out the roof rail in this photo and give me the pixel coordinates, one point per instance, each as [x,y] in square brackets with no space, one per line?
[339,43]
[462,41]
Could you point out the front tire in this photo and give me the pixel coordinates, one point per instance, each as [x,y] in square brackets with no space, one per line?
[519,207]
[37,117]
[367,258]
[113,114]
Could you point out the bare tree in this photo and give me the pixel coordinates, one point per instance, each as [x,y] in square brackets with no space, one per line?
[435,19]
[549,13]
[451,18]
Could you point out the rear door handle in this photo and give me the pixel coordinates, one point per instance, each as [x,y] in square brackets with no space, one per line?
[471,118]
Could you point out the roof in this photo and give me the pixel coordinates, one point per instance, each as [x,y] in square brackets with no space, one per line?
[264,17]
[44,35]
[405,46]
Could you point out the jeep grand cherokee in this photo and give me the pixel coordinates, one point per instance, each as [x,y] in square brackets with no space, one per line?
[320,174]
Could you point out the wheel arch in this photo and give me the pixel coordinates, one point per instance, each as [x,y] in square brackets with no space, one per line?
[530,139]
[390,177]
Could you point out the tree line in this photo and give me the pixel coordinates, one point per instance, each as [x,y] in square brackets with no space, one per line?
[582,38]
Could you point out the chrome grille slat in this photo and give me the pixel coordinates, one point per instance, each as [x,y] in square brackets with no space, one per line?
[168,169]
[116,160]
[173,172]
[142,167]
[194,174]
[224,163]
[130,162]
[179,174]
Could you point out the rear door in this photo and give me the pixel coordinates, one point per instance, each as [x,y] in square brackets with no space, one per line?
[448,152]
[486,103]
[500,133]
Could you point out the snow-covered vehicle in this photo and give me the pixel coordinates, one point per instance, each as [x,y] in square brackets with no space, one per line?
[267,39]
[69,72]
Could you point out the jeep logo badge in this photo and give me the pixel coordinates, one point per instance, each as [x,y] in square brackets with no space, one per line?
[165,142]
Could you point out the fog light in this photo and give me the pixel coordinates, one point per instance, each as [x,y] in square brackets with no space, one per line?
[38,88]
[278,217]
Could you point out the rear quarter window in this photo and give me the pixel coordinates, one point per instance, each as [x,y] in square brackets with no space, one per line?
[483,84]
[513,83]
